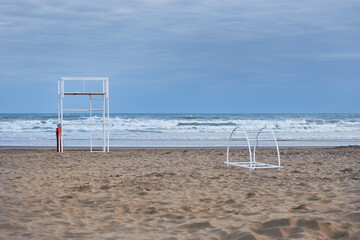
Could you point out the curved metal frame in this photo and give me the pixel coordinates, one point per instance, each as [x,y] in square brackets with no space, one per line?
[252,164]
[275,140]
[229,141]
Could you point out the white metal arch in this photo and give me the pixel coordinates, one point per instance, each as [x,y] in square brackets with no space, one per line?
[262,130]
[253,164]
[229,142]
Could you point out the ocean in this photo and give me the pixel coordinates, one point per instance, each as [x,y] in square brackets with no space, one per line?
[176,130]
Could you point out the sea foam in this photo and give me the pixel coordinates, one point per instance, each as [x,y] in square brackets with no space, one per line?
[40,128]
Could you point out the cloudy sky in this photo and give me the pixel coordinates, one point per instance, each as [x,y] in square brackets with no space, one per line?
[184,56]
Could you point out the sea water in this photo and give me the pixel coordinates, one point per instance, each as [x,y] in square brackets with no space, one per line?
[138,130]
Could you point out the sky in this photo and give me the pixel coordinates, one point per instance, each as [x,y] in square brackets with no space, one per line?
[205,56]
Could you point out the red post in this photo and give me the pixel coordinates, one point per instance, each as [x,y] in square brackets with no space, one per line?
[58,139]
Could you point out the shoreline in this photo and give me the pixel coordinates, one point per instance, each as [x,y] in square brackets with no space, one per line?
[82,148]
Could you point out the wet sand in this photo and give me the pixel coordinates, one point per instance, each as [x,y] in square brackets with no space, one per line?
[179,194]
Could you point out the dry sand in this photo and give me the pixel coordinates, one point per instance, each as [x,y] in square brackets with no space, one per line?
[179,194]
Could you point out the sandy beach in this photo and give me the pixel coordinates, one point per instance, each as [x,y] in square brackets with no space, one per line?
[179,194]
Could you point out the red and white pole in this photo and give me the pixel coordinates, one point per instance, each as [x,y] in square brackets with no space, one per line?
[58,138]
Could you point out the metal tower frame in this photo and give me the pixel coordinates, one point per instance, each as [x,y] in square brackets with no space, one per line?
[104,97]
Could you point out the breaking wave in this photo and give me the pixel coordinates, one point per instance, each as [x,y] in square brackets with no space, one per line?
[318,127]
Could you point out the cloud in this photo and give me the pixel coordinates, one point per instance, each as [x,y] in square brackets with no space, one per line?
[338,56]
[177,35]
[235,19]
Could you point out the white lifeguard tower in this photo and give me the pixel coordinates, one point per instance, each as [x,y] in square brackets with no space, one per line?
[97,88]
